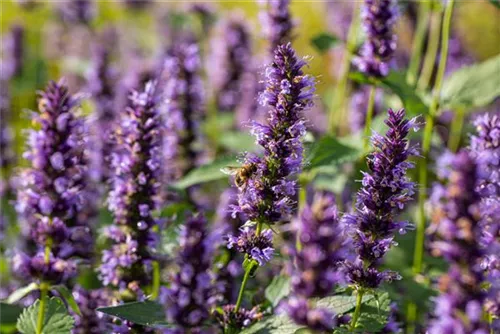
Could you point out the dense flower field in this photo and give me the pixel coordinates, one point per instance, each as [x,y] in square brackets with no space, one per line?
[190,168]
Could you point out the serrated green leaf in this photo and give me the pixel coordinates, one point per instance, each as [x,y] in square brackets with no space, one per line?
[56,319]
[374,314]
[324,41]
[206,173]
[146,313]
[396,82]
[275,324]
[237,141]
[278,289]
[330,151]
[472,86]
[340,304]
[9,313]
[21,293]
[68,297]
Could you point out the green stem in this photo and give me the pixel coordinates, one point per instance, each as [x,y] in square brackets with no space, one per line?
[302,203]
[337,106]
[426,145]
[418,42]
[156,280]
[242,288]
[41,310]
[456,130]
[369,117]
[430,55]
[357,310]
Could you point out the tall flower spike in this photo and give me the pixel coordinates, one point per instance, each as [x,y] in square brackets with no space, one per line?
[77,11]
[266,193]
[455,234]
[379,17]
[134,196]
[192,293]
[230,58]
[54,195]
[90,320]
[316,266]
[385,191]
[277,22]
[7,156]
[184,108]
[101,81]
[485,149]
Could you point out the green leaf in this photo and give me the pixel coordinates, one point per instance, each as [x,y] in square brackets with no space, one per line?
[21,293]
[275,324]
[374,314]
[68,297]
[324,41]
[396,82]
[146,313]
[340,304]
[206,173]
[9,313]
[495,3]
[472,86]
[237,141]
[278,289]
[56,319]
[328,151]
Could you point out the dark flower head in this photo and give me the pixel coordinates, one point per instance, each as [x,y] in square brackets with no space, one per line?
[230,318]
[379,17]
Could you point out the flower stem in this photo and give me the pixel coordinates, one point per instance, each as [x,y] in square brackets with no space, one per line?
[156,280]
[418,42]
[341,89]
[357,310]
[432,50]
[456,130]
[41,310]
[243,285]
[369,117]
[426,144]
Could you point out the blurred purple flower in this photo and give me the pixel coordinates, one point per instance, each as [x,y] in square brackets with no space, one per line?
[77,11]
[91,321]
[277,22]
[229,318]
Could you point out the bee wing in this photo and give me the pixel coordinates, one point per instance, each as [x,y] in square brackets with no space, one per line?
[228,170]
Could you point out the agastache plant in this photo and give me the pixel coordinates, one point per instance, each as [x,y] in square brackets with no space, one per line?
[455,233]
[91,321]
[315,267]
[184,96]
[192,293]
[267,183]
[230,59]
[126,265]
[77,11]
[379,17]
[385,191]
[485,149]
[277,22]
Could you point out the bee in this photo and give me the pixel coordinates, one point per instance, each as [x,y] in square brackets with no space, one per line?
[241,174]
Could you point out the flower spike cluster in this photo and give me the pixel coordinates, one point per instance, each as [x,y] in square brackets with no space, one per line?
[192,294]
[385,191]
[134,195]
[266,195]
[277,23]
[231,55]
[184,96]
[316,266]
[379,17]
[455,234]
[485,149]
[55,193]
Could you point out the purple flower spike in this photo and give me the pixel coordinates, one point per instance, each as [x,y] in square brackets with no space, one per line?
[267,195]
[88,301]
[184,96]
[55,198]
[230,60]
[385,191]
[455,233]
[277,22]
[77,11]
[135,193]
[379,17]
[192,293]
[257,247]
[229,318]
